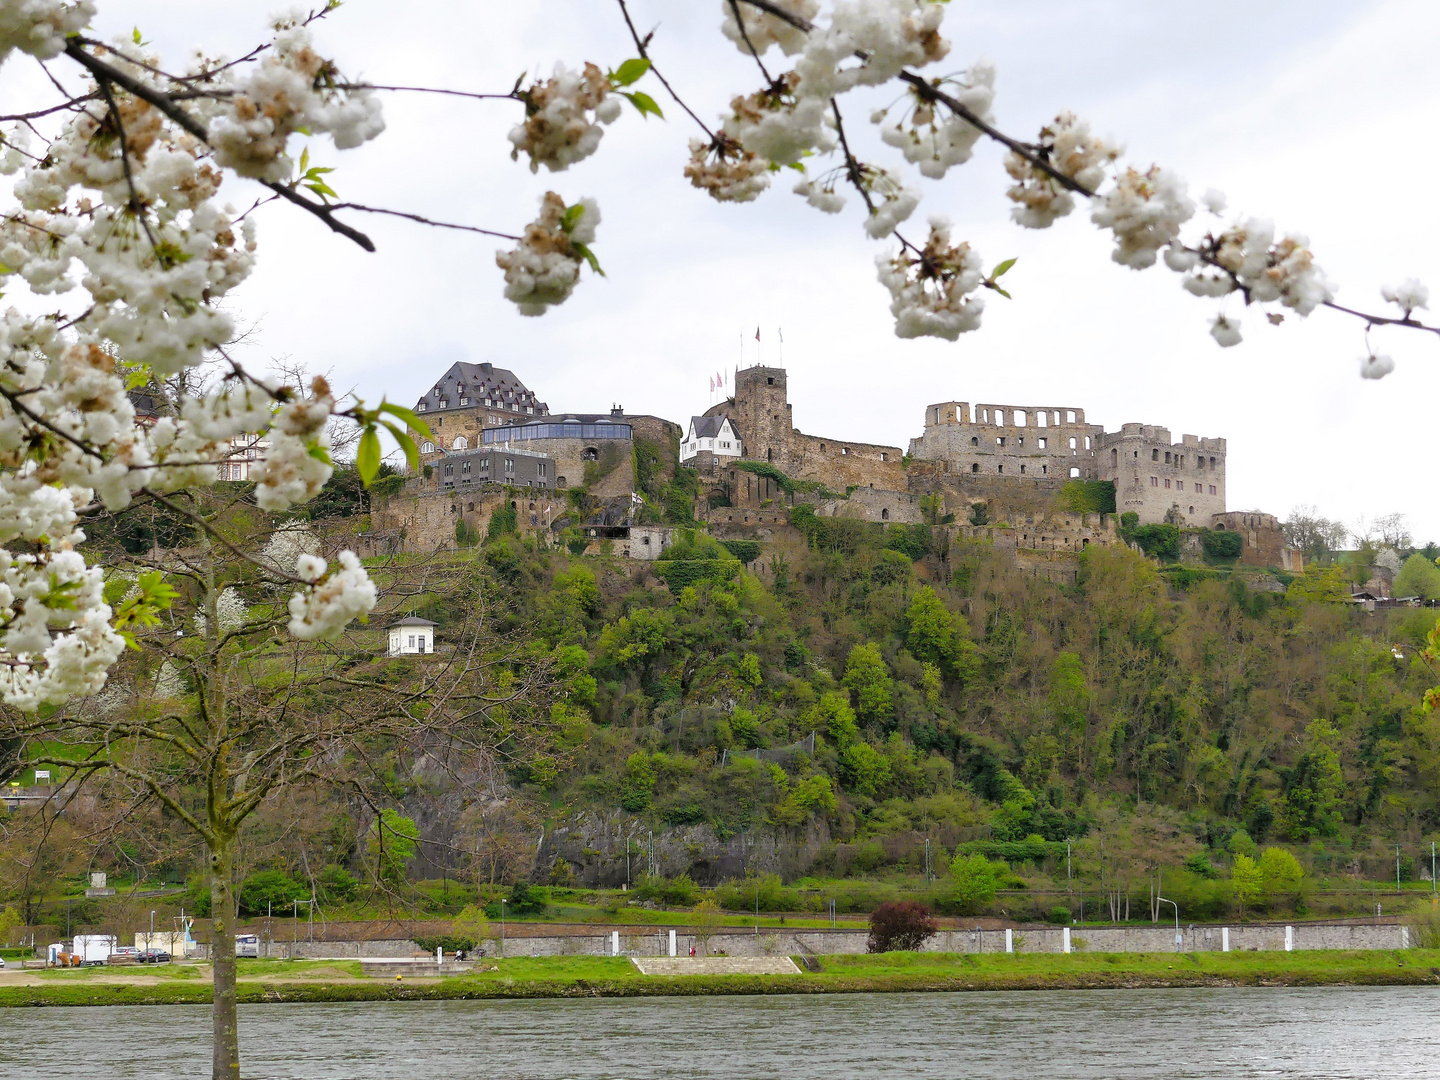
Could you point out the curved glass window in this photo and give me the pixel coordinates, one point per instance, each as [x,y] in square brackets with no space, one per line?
[527,432]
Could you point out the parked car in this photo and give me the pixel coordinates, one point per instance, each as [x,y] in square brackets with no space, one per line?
[2,961]
[154,956]
[124,954]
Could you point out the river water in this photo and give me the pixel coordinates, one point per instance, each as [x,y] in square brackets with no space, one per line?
[1360,1032]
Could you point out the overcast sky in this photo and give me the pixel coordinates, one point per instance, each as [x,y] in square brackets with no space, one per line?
[1319,114]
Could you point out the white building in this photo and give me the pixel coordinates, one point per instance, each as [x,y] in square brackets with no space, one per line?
[411,636]
[712,433]
[245,452]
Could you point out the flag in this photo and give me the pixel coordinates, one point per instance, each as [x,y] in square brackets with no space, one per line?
[757,333]
[719,380]
[712,386]
[781,335]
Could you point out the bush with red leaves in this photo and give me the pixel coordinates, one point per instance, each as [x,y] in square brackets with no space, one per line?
[900,926]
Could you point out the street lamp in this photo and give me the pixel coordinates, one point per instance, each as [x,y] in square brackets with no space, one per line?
[502,926]
[1179,941]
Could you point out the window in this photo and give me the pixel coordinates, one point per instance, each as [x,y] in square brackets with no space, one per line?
[449,470]
[1155,455]
[1044,470]
[1074,474]
[884,514]
[465,468]
[460,443]
[974,442]
[1212,489]
[1020,440]
[411,641]
[1072,443]
[540,469]
[427,448]
[1070,416]
[1019,418]
[1044,442]
[1167,457]
[464,401]
[1022,470]
[1198,489]
[1114,458]
[999,440]
[974,468]
[1087,442]
[884,457]
[1212,463]
[590,454]
[420,407]
[844,451]
[999,468]
[1154,481]
[510,469]
[1167,481]
[1192,509]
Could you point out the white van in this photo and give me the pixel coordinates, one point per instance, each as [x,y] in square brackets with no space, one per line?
[247,945]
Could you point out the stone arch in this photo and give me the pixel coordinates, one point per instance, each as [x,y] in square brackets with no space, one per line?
[460,443]
[884,513]
[590,454]
[974,440]
[427,448]
[975,468]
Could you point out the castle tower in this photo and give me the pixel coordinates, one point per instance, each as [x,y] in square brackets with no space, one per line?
[761,413]
[1182,482]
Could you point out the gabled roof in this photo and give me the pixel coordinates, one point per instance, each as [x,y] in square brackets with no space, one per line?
[707,427]
[411,620]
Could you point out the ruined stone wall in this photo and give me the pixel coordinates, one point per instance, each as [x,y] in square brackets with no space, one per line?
[1183,482]
[1004,496]
[1042,444]
[1263,539]
[874,504]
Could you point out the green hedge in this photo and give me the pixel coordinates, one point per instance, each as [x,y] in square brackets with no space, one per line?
[1088,496]
[1221,543]
[747,551]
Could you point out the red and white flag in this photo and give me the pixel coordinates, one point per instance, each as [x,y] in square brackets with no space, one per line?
[757,333]
[712,385]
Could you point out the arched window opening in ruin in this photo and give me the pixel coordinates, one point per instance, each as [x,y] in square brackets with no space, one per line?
[1087,442]
[1044,470]
[1000,417]
[822,447]
[974,468]
[514,505]
[1070,416]
[1022,470]
[1042,419]
[884,514]
[1154,455]
[1073,444]
[1084,543]
[1192,509]
[590,454]
[844,450]
[1020,418]
[770,381]
[470,507]
[560,481]
[769,454]
[884,456]
[974,440]
[999,468]
[1114,457]
[1074,474]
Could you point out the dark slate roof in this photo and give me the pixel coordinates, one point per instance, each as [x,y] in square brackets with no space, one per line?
[707,427]
[412,620]
[480,381]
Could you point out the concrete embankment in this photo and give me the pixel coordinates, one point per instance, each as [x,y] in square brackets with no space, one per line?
[732,941]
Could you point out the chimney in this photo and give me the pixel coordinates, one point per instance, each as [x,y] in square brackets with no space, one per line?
[617,410]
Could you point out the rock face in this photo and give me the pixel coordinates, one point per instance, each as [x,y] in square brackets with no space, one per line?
[594,847]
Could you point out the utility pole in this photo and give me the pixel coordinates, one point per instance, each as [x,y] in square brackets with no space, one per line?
[757,906]
[502,926]
[1397,867]
[927,860]
[1433,886]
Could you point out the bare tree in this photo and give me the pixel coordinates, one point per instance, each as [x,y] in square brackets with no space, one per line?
[1317,537]
[215,712]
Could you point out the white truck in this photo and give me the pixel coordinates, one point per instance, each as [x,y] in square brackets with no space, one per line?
[93,949]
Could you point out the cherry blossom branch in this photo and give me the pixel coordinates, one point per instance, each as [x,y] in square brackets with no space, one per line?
[642,46]
[101,70]
[511,96]
[422,220]
[745,37]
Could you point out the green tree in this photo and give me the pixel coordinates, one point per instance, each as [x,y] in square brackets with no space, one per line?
[471,925]
[748,670]
[973,882]
[935,635]
[1320,584]
[1418,577]
[1315,786]
[1280,874]
[638,785]
[864,769]
[1246,883]
[867,677]
[838,719]
[270,890]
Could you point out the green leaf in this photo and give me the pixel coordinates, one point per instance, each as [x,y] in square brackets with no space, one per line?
[115,590]
[319,187]
[304,160]
[400,412]
[631,71]
[1002,292]
[589,257]
[406,443]
[1004,266]
[367,457]
[572,216]
[318,452]
[135,35]
[642,101]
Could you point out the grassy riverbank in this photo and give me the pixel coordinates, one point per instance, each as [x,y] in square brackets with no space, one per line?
[553,977]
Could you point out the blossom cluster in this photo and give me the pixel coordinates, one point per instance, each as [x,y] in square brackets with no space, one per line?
[726,170]
[119,206]
[563,117]
[333,599]
[1068,146]
[933,140]
[762,30]
[543,268]
[933,295]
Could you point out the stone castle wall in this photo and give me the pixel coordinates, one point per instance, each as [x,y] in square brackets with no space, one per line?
[1044,445]
[1183,483]
[1264,542]
[423,519]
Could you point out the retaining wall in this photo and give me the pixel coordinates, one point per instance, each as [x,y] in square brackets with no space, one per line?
[772,942]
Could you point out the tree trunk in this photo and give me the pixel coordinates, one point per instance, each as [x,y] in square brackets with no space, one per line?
[222,961]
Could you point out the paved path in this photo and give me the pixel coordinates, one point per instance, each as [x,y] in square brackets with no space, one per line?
[715,965]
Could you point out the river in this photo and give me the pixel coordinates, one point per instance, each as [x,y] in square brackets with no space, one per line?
[1359,1032]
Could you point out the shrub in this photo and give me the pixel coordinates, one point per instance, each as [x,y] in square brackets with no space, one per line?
[900,925]
[973,881]
[1059,915]
[1157,541]
[747,551]
[337,884]
[269,889]
[1088,496]
[1221,543]
[1425,928]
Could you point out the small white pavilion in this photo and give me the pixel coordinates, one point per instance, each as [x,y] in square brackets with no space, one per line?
[412,636]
